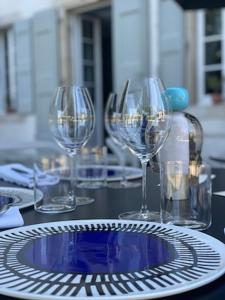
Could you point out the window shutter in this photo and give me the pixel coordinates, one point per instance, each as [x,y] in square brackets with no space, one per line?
[24,70]
[130,40]
[171,39]
[46,65]
[2,74]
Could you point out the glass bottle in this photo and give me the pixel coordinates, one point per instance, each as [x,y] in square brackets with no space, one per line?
[185,139]
[185,181]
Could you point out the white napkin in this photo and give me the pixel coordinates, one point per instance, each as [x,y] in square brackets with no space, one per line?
[222,193]
[11,218]
[21,175]
[17,173]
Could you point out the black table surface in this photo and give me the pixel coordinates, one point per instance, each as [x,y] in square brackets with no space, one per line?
[109,203]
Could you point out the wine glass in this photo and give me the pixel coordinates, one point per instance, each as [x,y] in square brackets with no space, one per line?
[111,125]
[71,121]
[145,121]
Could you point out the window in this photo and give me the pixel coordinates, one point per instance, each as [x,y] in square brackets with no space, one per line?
[211,56]
[213,51]
[213,22]
[87,66]
[88,55]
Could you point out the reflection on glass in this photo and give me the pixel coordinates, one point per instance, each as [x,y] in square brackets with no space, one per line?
[213,53]
[112,120]
[91,91]
[213,82]
[89,252]
[213,22]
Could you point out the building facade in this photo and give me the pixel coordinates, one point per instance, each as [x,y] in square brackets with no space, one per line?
[99,44]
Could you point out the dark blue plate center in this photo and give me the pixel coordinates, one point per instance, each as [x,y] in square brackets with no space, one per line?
[91,172]
[98,172]
[91,252]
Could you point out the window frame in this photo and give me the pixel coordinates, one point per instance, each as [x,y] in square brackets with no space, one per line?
[201,67]
[77,63]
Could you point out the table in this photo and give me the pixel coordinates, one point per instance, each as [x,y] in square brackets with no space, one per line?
[110,202]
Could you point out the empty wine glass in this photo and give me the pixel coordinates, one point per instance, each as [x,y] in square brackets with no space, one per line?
[111,125]
[144,126]
[71,121]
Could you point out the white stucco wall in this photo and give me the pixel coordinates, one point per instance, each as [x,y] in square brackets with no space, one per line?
[16,130]
[11,10]
[20,129]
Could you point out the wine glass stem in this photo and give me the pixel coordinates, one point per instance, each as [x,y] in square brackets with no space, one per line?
[124,178]
[144,208]
[73,176]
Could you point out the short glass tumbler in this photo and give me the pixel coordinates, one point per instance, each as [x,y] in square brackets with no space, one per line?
[186,194]
[58,194]
[91,167]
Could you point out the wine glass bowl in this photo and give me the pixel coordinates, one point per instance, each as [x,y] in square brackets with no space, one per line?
[112,119]
[71,117]
[145,118]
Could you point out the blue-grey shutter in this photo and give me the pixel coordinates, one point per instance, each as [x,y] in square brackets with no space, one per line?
[2,74]
[12,69]
[130,40]
[171,43]
[24,66]
[46,65]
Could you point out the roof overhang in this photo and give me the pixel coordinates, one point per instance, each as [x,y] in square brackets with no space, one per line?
[201,4]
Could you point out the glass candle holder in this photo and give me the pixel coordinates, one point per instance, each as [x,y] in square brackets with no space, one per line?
[186,194]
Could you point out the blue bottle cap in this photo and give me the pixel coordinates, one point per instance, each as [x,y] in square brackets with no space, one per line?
[178,98]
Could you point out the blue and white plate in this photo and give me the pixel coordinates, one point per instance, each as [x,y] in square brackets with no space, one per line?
[106,259]
[24,197]
[114,173]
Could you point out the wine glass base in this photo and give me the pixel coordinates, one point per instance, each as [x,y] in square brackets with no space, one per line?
[58,204]
[90,185]
[150,216]
[54,209]
[121,185]
[84,200]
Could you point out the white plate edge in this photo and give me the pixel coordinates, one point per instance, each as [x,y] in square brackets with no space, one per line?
[204,237]
[24,190]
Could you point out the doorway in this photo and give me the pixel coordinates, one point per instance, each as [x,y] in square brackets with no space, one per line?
[92,61]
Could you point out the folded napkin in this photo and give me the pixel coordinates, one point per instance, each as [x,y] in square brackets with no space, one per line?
[222,193]
[21,175]
[17,173]
[11,218]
